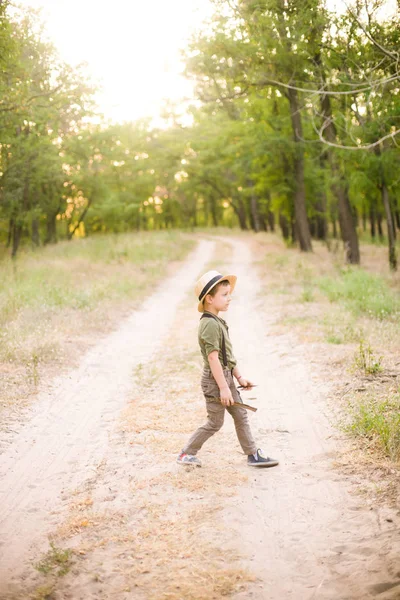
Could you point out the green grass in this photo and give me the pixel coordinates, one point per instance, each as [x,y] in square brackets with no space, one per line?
[363,293]
[56,561]
[61,293]
[366,361]
[307,294]
[81,273]
[378,420]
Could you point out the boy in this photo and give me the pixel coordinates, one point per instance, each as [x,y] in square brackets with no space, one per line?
[214,293]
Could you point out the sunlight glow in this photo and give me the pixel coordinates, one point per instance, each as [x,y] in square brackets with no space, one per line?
[132,48]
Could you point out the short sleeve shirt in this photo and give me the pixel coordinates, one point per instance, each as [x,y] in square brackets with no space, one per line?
[210,339]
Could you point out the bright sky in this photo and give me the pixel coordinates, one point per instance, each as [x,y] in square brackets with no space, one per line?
[131,47]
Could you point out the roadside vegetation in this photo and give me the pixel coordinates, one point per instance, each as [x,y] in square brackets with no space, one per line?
[348,319]
[56,301]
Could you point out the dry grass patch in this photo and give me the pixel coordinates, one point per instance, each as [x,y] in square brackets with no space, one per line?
[204,481]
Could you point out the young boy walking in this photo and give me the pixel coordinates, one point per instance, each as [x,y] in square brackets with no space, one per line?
[220,368]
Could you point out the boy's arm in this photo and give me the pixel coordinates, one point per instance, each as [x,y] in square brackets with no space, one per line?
[236,373]
[241,380]
[216,370]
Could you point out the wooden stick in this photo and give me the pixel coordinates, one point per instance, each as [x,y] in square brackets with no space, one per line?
[252,408]
[250,387]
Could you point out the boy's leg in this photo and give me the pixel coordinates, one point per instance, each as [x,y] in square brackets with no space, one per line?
[215,420]
[243,430]
[240,419]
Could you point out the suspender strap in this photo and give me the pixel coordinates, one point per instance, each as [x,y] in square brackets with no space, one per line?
[223,347]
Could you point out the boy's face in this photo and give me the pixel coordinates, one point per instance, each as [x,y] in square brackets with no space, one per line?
[222,298]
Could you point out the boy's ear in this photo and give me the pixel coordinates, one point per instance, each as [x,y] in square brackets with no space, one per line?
[208,298]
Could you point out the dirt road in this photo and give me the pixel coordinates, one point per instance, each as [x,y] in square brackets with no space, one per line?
[66,437]
[301,530]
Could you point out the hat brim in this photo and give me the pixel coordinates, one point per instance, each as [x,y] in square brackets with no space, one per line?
[232,280]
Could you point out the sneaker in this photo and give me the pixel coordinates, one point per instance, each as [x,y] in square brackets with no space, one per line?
[261,460]
[188,459]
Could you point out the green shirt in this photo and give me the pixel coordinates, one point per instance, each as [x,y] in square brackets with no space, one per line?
[210,339]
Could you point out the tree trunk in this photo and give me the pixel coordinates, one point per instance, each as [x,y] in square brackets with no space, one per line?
[284,225]
[10,232]
[293,231]
[380,228]
[213,210]
[300,210]
[255,218]
[81,218]
[348,230]
[389,219]
[339,188]
[393,221]
[51,229]
[240,211]
[263,222]
[271,220]
[35,232]
[16,238]
[320,224]
[364,217]
[397,213]
[334,227]
[372,221]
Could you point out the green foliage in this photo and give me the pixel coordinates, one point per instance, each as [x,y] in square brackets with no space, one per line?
[57,561]
[362,293]
[307,294]
[377,420]
[250,152]
[366,361]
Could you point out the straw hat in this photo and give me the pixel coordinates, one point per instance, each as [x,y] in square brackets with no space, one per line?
[206,283]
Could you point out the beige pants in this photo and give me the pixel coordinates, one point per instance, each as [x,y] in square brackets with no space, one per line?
[216,414]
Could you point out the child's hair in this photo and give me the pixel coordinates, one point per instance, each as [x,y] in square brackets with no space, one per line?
[215,289]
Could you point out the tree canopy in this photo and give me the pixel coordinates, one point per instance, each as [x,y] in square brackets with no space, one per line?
[295,124]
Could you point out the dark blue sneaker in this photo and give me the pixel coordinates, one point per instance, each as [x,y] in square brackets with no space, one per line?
[259,460]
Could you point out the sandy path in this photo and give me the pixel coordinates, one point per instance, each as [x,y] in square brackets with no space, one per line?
[65,440]
[303,532]
[306,535]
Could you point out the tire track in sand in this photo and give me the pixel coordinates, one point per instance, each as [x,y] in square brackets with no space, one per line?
[66,438]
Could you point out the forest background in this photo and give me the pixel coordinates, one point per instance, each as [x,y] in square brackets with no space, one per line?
[293,126]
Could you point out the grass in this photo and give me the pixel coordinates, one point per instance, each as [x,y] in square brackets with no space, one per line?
[366,361]
[362,293]
[376,420]
[82,273]
[55,301]
[44,592]
[57,561]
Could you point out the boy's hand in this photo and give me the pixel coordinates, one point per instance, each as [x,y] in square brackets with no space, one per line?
[226,396]
[245,383]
